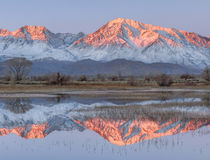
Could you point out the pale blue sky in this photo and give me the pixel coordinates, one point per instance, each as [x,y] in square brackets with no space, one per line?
[88,15]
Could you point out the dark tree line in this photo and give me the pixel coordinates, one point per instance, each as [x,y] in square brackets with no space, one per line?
[18,69]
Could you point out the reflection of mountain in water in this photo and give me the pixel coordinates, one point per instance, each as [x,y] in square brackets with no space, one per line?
[57,123]
[121,126]
[119,132]
[125,132]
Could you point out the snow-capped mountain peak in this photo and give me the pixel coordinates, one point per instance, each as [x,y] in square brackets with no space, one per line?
[133,40]
[120,31]
[36,42]
[118,39]
[28,32]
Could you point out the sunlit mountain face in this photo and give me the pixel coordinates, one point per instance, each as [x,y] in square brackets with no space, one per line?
[120,123]
[126,38]
[139,124]
[119,132]
[120,31]
[118,39]
[28,32]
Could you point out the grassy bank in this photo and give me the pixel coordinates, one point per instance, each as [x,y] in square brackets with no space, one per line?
[42,87]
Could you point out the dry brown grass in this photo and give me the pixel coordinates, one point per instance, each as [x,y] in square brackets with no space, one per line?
[46,88]
[121,85]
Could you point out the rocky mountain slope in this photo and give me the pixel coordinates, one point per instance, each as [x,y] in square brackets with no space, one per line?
[36,42]
[130,131]
[124,128]
[118,39]
[133,40]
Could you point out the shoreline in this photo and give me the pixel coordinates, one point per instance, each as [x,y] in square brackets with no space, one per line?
[53,91]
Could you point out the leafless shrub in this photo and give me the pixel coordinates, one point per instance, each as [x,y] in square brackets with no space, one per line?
[100,77]
[132,81]
[40,78]
[164,80]
[120,77]
[83,78]
[206,99]
[149,78]
[187,76]
[206,74]
[58,79]
[113,78]
[190,84]
[53,79]
[6,78]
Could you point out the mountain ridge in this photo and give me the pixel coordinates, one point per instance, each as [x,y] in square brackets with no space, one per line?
[117,39]
[91,67]
[133,40]
[138,26]
[27,32]
[127,132]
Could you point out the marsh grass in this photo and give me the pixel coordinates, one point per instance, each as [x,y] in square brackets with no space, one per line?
[152,111]
[145,96]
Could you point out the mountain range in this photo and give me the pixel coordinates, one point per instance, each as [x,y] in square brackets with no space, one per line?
[130,131]
[113,67]
[117,130]
[118,39]
[121,122]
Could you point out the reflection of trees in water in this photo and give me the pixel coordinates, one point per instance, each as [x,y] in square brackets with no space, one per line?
[18,105]
[206,98]
[59,98]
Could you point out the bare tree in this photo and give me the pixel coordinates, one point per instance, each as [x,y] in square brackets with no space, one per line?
[18,68]
[206,74]
[164,80]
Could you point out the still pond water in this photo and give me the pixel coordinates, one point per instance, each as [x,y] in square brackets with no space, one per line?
[60,127]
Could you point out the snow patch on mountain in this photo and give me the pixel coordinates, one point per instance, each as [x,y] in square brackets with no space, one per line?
[132,40]
[37,44]
[41,113]
[118,39]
